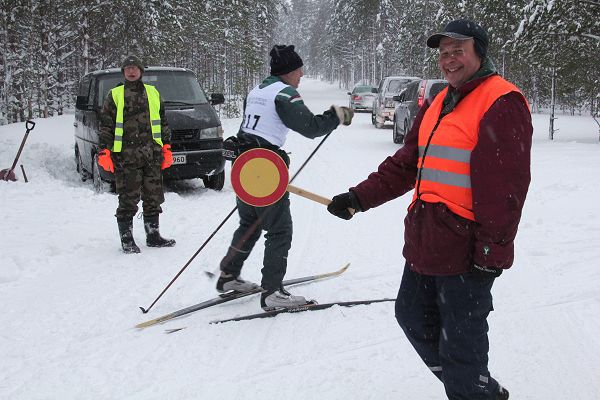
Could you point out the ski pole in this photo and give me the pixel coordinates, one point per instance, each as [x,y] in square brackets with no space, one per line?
[190,260]
[309,157]
[251,230]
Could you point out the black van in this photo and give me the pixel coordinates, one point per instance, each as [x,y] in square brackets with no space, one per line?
[196,132]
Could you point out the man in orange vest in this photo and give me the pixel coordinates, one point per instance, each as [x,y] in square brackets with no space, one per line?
[467,157]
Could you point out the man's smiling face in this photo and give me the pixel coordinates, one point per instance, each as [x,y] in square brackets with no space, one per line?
[458,60]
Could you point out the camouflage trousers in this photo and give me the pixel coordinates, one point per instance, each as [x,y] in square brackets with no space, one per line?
[138,176]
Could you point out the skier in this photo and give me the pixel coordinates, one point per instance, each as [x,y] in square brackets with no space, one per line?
[134,145]
[468,158]
[271,110]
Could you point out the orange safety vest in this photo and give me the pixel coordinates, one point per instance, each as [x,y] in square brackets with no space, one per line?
[444,162]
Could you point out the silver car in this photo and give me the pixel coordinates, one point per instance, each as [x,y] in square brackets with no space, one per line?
[384,104]
[361,98]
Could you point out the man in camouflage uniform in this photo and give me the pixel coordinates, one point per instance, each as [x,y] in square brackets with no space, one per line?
[136,157]
[271,110]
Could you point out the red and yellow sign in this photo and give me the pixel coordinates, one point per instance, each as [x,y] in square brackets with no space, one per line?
[259,177]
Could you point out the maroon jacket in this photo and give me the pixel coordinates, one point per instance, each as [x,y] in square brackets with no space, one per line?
[439,242]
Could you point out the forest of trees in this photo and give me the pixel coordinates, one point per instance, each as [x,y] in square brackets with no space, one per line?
[46,46]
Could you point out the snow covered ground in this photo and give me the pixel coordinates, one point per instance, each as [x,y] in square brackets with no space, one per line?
[69,297]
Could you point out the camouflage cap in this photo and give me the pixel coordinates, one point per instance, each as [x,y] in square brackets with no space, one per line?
[132,60]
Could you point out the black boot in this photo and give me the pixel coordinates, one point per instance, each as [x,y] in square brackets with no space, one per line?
[125,230]
[153,238]
[502,394]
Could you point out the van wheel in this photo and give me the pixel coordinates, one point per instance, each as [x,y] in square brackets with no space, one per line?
[79,165]
[373,119]
[99,185]
[215,182]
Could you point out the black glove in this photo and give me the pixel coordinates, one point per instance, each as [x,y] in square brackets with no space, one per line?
[485,272]
[344,114]
[342,203]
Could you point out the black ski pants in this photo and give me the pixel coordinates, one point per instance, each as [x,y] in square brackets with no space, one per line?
[445,320]
[276,220]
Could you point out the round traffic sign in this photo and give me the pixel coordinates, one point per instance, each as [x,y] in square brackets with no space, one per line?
[259,177]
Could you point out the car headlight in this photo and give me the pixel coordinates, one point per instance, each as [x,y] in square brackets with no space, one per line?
[211,133]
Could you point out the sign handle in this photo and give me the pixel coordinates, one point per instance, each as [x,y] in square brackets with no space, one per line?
[312,196]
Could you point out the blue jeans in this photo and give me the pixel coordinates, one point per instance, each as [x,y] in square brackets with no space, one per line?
[445,320]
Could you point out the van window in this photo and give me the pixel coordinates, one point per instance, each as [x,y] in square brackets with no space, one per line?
[176,86]
[84,86]
[172,86]
[92,95]
[107,82]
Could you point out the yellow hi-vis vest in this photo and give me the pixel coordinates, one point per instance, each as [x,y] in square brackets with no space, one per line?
[118,95]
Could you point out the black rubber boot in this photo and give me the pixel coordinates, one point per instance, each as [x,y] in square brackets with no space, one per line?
[153,238]
[502,394]
[126,233]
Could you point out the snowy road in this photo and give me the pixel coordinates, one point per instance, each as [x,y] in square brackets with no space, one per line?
[70,297]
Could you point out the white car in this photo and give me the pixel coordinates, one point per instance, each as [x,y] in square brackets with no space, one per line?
[361,98]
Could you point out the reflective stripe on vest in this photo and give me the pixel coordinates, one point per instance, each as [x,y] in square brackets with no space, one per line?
[118,95]
[445,159]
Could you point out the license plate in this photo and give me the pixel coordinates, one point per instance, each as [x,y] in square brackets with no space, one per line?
[179,158]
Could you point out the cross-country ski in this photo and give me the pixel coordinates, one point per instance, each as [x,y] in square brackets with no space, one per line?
[233,296]
[299,309]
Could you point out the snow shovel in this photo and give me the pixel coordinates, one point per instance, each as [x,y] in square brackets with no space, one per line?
[8,174]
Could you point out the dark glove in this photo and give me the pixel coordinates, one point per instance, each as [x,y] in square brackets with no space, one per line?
[344,205]
[485,272]
[344,114]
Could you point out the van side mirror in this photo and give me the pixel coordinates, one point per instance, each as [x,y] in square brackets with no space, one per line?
[217,98]
[374,90]
[397,98]
[349,93]
[81,103]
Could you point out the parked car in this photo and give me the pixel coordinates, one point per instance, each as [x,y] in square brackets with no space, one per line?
[196,132]
[384,104]
[410,101]
[361,98]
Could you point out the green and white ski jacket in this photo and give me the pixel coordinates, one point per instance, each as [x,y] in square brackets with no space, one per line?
[273,108]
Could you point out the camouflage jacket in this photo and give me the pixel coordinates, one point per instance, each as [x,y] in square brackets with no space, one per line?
[137,133]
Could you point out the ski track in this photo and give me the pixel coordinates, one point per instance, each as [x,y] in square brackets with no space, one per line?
[70,297]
